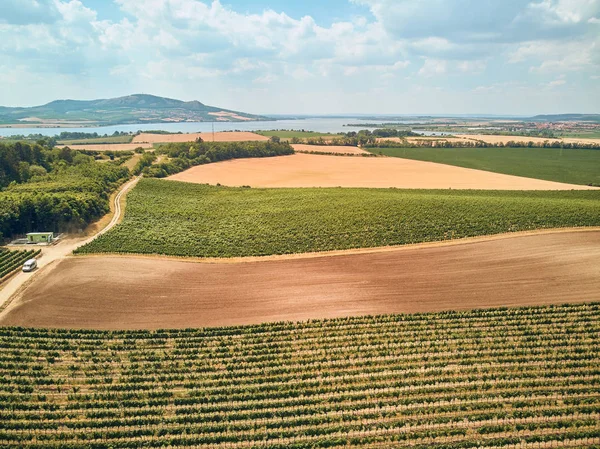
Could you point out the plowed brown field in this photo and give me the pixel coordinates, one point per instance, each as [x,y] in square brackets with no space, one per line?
[310,170]
[134,292]
[208,137]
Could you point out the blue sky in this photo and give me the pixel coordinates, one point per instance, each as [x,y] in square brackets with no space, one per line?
[516,57]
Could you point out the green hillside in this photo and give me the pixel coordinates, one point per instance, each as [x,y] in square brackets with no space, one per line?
[130,109]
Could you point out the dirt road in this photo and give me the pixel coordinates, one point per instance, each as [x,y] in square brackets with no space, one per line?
[51,254]
[105,292]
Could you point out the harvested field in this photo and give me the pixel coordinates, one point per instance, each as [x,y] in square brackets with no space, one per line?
[137,293]
[421,139]
[505,139]
[218,137]
[329,149]
[108,146]
[309,170]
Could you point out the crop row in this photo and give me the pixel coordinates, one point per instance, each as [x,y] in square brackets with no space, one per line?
[188,220]
[12,260]
[484,378]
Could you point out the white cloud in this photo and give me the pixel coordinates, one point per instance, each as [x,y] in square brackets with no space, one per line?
[267,78]
[552,56]
[74,11]
[556,83]
[432,67]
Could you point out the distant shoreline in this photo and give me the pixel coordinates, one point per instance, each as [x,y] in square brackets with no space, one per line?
[102,125]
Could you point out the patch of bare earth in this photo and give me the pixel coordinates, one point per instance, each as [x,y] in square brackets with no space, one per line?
[308,170]
[208,137]
[338,149]
[108,146]
[138,293]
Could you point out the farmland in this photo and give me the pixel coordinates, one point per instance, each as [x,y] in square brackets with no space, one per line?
[11,261]
[173,218]
[569,166]
[316,170]
[208,137]
[149,292]
[484,378]
[336,149]
[290,134]
[97,140]
[109,146]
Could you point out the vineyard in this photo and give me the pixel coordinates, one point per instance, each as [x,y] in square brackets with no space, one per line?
[496,378]
[13,260]
[182,219]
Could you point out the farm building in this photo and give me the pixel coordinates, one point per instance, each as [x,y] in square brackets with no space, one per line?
[40,237]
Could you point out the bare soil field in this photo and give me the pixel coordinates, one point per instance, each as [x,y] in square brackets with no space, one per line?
[108,146]
[139,293]
[208,137]
[310,170]
[505,139]
[329,149]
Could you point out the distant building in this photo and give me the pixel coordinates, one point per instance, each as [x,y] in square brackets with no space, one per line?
[40,237]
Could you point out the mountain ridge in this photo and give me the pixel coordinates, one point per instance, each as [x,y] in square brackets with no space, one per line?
[129,109]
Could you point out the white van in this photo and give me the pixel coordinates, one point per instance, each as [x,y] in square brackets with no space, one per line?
[30,265]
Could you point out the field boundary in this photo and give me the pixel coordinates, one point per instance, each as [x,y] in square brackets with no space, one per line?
[347,252]
[64,249]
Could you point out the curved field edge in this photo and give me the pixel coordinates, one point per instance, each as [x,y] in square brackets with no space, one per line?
[181,219]
[572,166]
[350,251]
[454,380]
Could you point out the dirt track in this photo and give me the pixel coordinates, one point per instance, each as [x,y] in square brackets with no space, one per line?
[313,170]
[208,137]
[132,293]
[51,254]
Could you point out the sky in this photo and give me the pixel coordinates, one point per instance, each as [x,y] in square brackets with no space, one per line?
[504,57]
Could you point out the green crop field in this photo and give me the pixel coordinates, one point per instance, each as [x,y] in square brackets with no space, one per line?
[97,140]
[291,134]
[176,218]
[570,166]
[479,379]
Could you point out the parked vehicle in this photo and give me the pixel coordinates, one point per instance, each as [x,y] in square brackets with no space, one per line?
[30,265]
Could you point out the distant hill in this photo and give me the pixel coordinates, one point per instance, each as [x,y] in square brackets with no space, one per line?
[133,109]
[568,118]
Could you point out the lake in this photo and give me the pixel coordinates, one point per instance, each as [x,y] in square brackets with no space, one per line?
[324,125]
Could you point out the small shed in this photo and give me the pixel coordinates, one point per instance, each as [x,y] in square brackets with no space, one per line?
[40,237]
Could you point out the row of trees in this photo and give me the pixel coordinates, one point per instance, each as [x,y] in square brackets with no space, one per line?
[185,155]
[480,144]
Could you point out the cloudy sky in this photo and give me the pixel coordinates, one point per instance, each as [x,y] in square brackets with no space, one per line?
[312,56]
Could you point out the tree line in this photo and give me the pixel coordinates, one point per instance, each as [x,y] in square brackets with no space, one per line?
[52,189]
[481,144]
[187,154]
